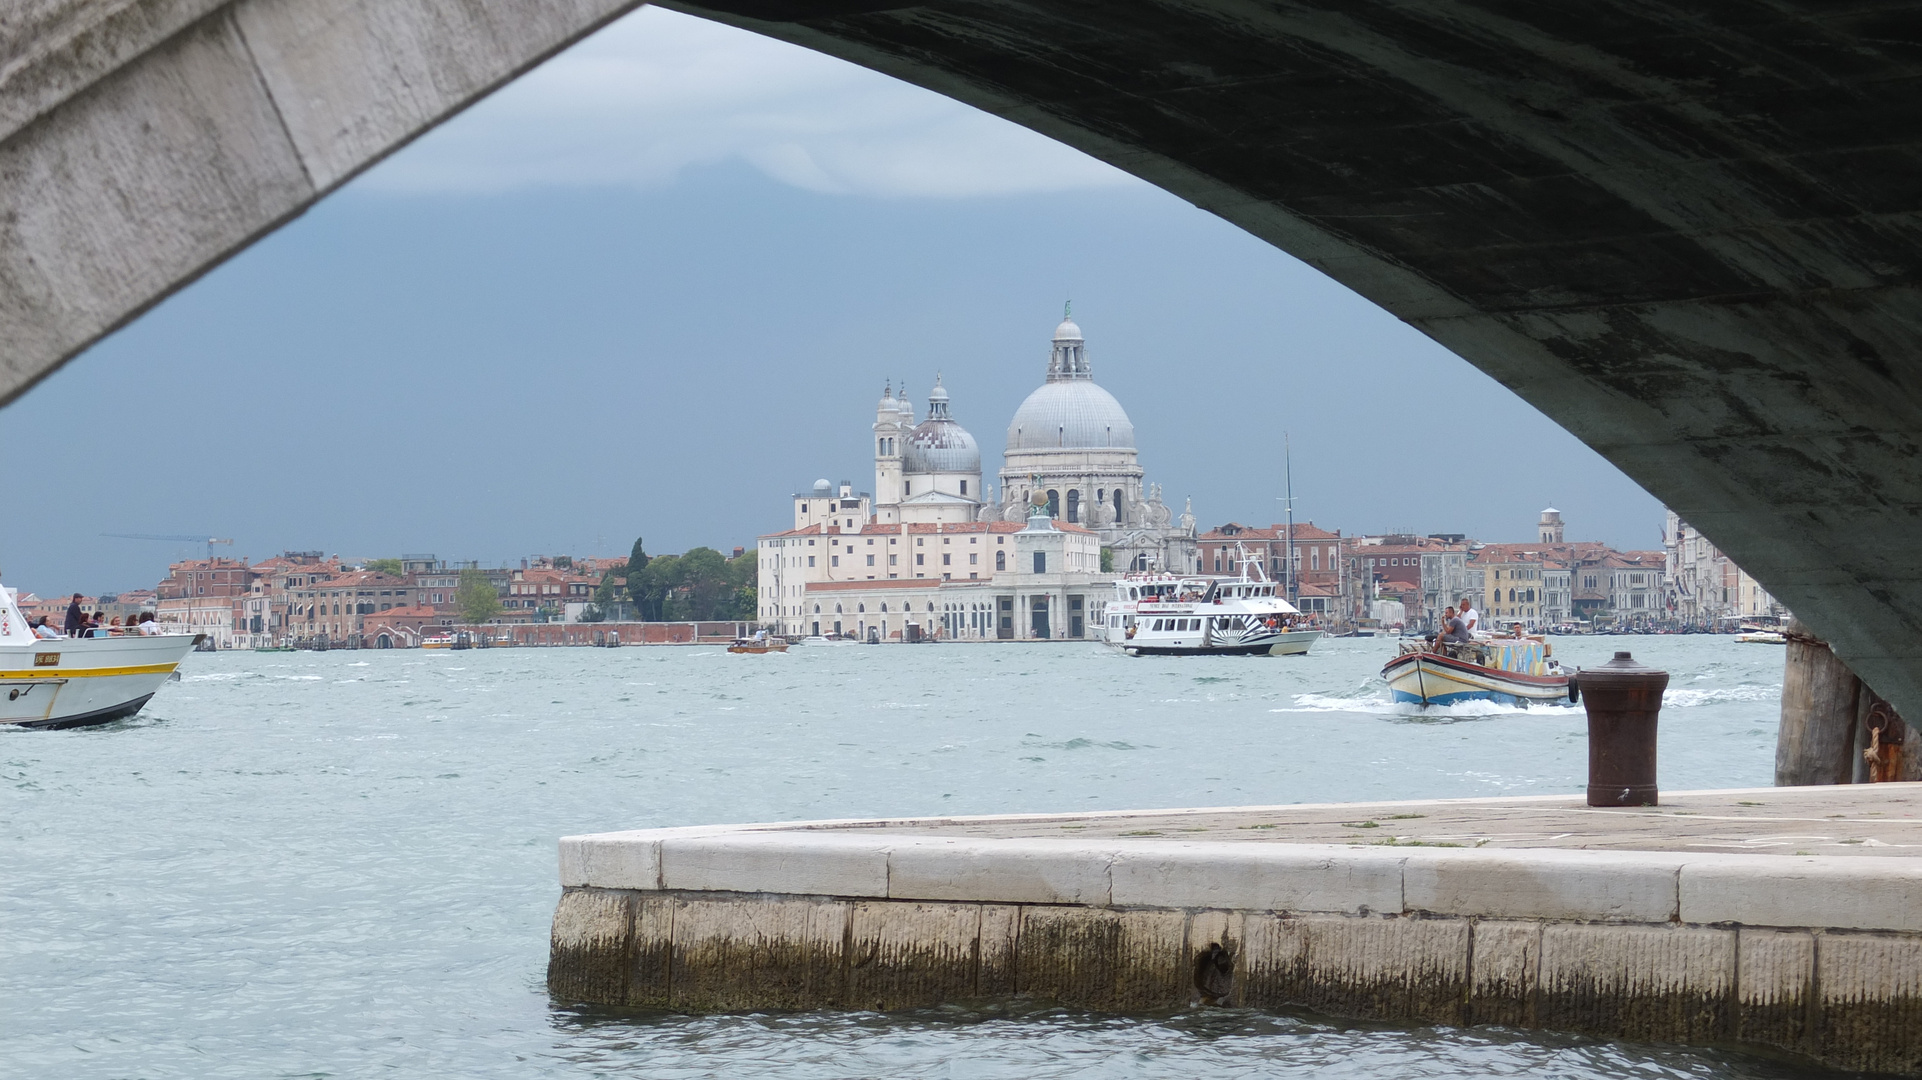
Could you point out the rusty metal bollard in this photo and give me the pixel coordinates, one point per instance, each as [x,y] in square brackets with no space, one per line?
[1623,699]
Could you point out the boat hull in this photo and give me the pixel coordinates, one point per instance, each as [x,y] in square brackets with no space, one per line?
[1432,679]
[1287,643]
[77,682]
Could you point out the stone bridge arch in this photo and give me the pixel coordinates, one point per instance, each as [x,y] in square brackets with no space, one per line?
[1685,231]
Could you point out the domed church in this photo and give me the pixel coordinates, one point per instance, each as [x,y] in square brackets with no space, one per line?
[1071,447]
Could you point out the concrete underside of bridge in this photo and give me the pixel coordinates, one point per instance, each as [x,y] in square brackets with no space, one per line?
[1687,231]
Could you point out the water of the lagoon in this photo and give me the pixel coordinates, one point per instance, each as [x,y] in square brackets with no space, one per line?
[342,864]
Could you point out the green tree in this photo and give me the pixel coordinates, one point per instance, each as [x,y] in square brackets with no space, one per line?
[564,562]
[743,576]
[1107,560]
[704,588]
[477,598]
[653,585]
[385,566]
[637,561]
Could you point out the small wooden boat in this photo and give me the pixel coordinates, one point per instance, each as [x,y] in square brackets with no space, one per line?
[1509,671]
[764,645]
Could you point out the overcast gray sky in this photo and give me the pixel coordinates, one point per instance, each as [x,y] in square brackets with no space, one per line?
[656,285]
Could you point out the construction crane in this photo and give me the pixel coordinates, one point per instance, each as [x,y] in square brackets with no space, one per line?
[196,538]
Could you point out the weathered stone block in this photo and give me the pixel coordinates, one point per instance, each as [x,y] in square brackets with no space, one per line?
[1761,890]
[818,864]
[354,78]
[1659,983]
[999,871]
[1871,1002]
[1099,958]
[1504,970]
[651,951]
[1379,968]
[1000,924]
[1597,886]
[611,861]
[1257,877]
[907,954]
[744,955]
[134,185]
[1774,988]
[587,958]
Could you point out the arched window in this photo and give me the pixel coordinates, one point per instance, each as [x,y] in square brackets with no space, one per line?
[1074,506]
[1117,506]
[1000,560]
[1054,503]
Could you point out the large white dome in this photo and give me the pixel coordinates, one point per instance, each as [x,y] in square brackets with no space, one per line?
[1070,414]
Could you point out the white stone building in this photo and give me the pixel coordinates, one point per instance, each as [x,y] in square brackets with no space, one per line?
[1704,587]
[985,580]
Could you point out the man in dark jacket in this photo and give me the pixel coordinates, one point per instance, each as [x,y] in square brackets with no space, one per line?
[76,619]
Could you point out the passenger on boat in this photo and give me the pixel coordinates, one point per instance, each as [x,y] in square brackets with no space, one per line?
[1454,630]
[1471,619]
[148,627]
[42,630]
[1515,631]
[76,619]
[96,626]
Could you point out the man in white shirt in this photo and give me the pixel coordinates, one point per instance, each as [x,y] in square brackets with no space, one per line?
[1469,616]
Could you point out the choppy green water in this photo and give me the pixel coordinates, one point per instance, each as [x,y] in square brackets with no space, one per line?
[342,864]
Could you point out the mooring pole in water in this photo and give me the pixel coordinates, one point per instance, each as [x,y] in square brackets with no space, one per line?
[1821,705]
[1624,701]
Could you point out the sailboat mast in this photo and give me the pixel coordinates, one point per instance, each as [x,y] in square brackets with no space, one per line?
[1288,472]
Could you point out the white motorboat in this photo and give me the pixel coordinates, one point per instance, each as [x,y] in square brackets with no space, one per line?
[75,682]
[829,639]
[1158,614]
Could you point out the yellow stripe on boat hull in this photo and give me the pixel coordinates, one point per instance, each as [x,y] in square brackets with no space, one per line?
[88,673]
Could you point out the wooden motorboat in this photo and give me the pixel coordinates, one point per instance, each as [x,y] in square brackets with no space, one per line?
[1508,671]
[761,645]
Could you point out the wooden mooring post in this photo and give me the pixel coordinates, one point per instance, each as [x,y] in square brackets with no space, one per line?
[1835,729]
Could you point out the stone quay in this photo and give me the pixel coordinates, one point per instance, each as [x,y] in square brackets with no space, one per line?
[1782,919]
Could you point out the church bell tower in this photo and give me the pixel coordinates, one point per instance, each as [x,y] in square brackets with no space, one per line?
[893,418]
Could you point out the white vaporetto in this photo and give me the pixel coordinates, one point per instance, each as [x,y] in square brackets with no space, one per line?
[1156,614]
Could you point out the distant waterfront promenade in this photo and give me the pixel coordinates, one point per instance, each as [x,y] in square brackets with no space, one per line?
[309,599]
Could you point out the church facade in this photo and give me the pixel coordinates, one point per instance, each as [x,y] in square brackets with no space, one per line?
[1071,483]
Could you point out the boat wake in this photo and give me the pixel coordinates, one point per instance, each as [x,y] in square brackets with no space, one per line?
[1379,703]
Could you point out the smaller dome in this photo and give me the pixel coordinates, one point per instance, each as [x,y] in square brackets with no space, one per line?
[822,487]
[1067,331]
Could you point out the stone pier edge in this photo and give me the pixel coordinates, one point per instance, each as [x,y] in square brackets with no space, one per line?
[1819,957]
